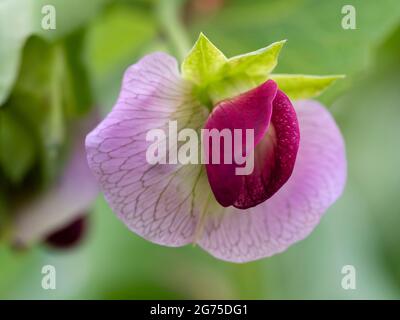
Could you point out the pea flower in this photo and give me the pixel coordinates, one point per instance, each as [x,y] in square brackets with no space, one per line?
[298,151]
[58,215]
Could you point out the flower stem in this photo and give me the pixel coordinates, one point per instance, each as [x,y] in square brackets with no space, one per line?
[171,24]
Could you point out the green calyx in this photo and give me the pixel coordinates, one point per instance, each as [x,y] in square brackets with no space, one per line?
[216,77]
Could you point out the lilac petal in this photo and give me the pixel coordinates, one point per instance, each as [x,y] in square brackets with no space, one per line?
[293,212]
[155,201]
[62,203]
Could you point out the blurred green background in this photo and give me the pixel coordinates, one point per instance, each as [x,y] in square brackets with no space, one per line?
[96,40]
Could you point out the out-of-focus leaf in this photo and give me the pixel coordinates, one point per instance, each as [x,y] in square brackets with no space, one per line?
[115,40]
[17,149]
[78,96]
[4,218]
[20,19]
[48,95]
[390,50]
[298,86]
[38,98]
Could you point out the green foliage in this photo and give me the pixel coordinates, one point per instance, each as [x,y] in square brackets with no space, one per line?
[17,149]
[22,18]
[45,96]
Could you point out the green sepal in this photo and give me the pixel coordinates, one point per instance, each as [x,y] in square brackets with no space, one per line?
[203,63]
[298,86]
[215,78]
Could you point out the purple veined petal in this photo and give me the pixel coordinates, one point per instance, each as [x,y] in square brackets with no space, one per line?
[160,202]
[65,201]
[317,181]
[268,112]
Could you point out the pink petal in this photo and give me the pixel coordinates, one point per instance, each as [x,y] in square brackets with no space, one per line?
[270,114]
[68,199]
[154,201]
[293,212]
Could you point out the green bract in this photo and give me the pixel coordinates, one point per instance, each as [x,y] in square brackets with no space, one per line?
[216,77]
[300,86]
[203,62]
